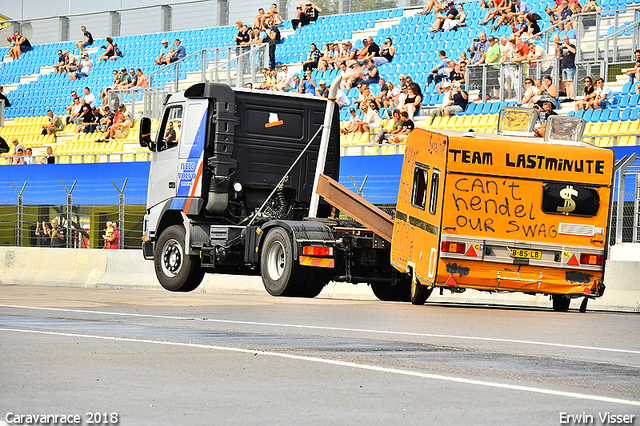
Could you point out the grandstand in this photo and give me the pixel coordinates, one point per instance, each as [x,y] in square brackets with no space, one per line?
[33,87]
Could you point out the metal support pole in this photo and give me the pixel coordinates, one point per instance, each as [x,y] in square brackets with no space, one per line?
[20,213]
[121,212]
[176,77]
[203,74]
[69,211]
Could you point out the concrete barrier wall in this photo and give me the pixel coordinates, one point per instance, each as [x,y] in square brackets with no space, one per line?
[127,269]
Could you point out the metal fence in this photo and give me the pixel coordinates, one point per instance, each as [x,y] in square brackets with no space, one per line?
[625,218]
[82,215]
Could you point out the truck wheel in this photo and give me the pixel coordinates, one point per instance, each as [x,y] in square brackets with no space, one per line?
[176,270]
[316,279]
[392,293]
[560,302]
[281,276]
[419,293]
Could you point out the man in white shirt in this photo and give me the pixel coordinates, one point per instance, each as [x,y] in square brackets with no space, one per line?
[285,80]
[89,97]
[370,117]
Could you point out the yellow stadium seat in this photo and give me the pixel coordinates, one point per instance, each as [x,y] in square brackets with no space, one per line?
[633,127]
[362,138]
[444,122]
[605,129]
[483,120]
[588,129]
[373,150]
[389,124]
[127,158]
[493,120]
[624,128]
[623,141]
[426,123]
[141,156]
[88,158]
[615,128]
[63,160]
[435,123]
[604,142]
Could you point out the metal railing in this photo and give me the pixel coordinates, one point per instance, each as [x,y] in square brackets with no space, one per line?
[81,158]
[625,218]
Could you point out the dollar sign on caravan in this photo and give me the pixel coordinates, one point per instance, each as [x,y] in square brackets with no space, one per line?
[569,204]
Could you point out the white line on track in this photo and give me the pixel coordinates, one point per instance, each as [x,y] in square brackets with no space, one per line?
[439,377]
[316,327]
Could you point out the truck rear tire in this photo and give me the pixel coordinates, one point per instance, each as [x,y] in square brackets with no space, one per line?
[176,270]
[281,275]
[419,293]
[400,292]
[560,302]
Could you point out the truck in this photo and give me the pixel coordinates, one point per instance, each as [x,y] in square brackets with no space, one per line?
[246,188]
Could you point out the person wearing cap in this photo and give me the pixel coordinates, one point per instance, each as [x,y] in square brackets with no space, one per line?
[369,51]
[441,70]
[4,98]
[109,51]
[86,41]
[322,90]
[450,13]
[22,45]
[164,50]
[446,101]
[177,52]
[85,68]
[459,100]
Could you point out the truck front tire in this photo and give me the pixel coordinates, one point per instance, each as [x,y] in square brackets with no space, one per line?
[419,293]
[560,302]
[278,269]
[176,270]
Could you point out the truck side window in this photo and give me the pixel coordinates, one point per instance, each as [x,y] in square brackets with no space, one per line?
[435,182]
[419,196]
[169,132]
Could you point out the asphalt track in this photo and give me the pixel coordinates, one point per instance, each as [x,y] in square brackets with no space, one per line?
[158,358]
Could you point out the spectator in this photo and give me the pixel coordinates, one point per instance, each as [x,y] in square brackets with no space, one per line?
[54,125]
[274,15]
[412,101]
[4,147]
[125,79]
[41,234]
[312,58]
[493,70]
[263,37]
[329,58]
[86,41]
[391,100]
[407,128]
[355,123]
[170,137]
[493,11]
[547,111]
[56,234]
[48,158]
[73,104]
[295,85]
[114,238]
[604,96]
[301,18]
[119,130]
[532,27]
[71,62]
[342,100]
[107,233]
[364,96]
[85,68]
[28,156]
[561,14]
[511,13]
[4,98]
[109,51]
[387,52]
[134,78]
[548,92]
[284,82]
[589,94]
[590,7]
[478,50]
[529,93]
[441,70]
[322,90]
[260,19]
[106,121]
[567,54]
[434,6]
[450,13]
[117,53]
[76,110]
[274,34]
[372,119]
[18,156]
[371,75]
[395,128]
[89,97]
[312,11]
[348,52]
[510,69]
[22,45]
[459,100]
[521,50]
[308,85]
[459,21]
[142,79]
[446,101]
[177,52]
[59,66]
[634,73]
[85,116]
[369,51]
[352,75]
[269,80]
[164,50]
[539,57]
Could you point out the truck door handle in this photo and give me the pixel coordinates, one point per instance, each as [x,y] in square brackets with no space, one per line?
[172,185]
[445,228]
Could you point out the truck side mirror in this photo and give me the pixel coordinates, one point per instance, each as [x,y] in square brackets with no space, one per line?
[145,133]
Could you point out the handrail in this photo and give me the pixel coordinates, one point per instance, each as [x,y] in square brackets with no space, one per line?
[83,156]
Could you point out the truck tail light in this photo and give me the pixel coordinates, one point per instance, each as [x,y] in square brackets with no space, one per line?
[591,259]
[317,251]
[449,247]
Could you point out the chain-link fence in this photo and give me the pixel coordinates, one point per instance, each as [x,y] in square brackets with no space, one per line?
[28,211]
[625,218]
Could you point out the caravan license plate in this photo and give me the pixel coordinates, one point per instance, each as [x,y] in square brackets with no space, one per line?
[526,254]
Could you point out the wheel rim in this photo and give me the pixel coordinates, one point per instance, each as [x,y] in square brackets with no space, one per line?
[275,261]
[172,258]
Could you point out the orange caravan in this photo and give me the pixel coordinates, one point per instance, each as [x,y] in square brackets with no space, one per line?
[504,212]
